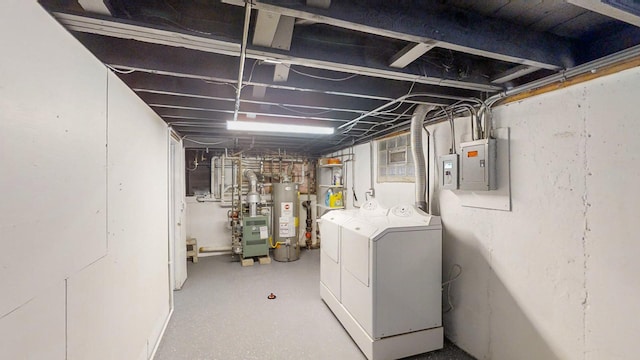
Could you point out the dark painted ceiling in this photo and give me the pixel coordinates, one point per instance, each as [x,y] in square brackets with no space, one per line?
[325,63]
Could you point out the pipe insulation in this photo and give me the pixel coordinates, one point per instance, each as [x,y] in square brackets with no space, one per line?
[253,197]
[417,119]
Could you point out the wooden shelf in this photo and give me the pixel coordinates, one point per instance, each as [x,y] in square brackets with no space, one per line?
[330,166]
[332,186]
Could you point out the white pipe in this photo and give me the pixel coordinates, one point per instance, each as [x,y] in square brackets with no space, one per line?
[253,197]
[243,56]
[591,66]
[417,120]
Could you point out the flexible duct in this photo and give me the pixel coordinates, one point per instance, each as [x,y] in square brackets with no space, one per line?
[253,197]
[417,120]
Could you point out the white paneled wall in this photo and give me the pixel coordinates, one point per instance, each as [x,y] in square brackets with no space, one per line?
[52,148]
[83,219]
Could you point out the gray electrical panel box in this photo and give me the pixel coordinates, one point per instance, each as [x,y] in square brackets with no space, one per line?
[449,171]
[478,165]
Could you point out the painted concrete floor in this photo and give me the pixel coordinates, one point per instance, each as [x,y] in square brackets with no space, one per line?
[222,312]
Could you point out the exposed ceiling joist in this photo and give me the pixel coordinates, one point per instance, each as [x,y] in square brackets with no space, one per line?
[218,103]
[343,59]
[614,12]
[324,4]
[330,57]
[513,73]
[355,93]
[265,29]
[280,73]
[409,54]
[95,6]
[284,33]
[221,114]
[122,30]
[273,30]
[460,31]
[259,91]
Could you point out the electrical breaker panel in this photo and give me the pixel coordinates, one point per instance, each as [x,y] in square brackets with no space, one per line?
[449,171]
[478,165]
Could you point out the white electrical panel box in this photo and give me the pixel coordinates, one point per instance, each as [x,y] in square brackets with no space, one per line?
[449,171]
[478,165]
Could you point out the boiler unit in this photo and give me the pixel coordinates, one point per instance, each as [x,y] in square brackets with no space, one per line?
[255,236]
[388,296]
[285,211]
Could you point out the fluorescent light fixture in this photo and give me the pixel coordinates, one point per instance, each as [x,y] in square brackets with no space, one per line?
[281,128]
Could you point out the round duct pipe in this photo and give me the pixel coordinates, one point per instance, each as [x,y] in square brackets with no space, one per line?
[417,120]
[253,197]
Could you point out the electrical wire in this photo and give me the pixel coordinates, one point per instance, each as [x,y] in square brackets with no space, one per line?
[448,284]
[120,71]
[220,83]
[319,77]
[253,67]
[302,112]
[204,143]
[453,131]
[387,122]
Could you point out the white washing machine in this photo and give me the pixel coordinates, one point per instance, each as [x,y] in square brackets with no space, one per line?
[331,232]
[390,282]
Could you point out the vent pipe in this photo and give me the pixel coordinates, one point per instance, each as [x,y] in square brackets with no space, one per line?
[417,119]
[253,197]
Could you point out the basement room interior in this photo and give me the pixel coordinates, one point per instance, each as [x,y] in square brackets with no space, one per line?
[317,179]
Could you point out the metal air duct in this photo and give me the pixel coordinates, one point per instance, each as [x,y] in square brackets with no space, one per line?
[253,197]
[417,120]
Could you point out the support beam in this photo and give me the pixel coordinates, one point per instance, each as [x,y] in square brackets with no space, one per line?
[273,30]
[284,33]
[280,73]
[210,102]
[266,26]
[327,56]
[95,6]
[455,30]
[629,14]
[323,4]
[124,30]
[409,54]
[362,95]
[169,109]
[513,73]
[259,91]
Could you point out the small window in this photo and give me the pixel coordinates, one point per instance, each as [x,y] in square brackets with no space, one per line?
[395,161]
[398,156]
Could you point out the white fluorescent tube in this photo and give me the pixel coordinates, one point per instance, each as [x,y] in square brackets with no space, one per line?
[281,128]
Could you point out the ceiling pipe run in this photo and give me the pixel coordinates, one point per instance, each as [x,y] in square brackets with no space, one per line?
[243,56]
[417,120]
[591,66]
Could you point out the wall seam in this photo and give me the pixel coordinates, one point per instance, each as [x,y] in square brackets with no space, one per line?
[66,318]
[106,160]
[490,317]
[586,229]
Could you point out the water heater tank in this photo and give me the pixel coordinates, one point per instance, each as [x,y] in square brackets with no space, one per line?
[285,211]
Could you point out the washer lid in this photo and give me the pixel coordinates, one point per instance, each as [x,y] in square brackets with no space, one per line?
[372,208]
[410,215]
